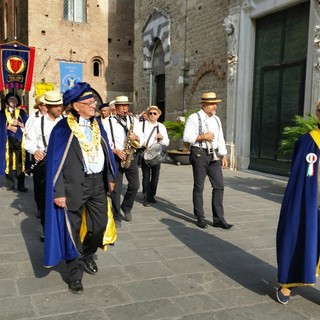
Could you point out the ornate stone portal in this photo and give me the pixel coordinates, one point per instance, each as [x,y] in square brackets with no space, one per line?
[229,27]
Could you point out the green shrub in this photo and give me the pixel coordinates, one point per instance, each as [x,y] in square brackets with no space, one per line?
[292,133]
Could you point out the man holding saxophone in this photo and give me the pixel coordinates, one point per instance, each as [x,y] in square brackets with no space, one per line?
[125,137]
[203,131]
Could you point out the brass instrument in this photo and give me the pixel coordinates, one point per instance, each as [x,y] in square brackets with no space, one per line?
[129,148]
[210,147]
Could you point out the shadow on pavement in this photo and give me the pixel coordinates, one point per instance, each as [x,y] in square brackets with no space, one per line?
[242,267]
[31,228]
[265,188]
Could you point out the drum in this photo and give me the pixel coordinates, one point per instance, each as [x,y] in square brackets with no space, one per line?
[154,155]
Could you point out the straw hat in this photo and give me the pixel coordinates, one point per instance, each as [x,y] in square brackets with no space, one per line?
[52,98]
[122,100]
[209,97]
[154,108]
[38,102]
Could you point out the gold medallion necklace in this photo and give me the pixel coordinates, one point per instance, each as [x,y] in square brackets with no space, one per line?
[86,145]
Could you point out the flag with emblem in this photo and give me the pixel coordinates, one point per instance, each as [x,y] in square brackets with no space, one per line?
[16,66]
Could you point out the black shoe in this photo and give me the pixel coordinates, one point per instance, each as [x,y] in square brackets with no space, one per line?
[22,189]
[90,266]
[118,223]
[42,238]
[128,216]
[221,223]
[153,200]
[146,203]
[10,188]
[76,287]
[202,224]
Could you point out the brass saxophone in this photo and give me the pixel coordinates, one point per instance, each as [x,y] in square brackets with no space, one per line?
[129,148]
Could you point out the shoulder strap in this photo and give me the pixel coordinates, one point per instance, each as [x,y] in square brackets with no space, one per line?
[112,134]
[200,125]
[151,133]
[122,124]
[42,133]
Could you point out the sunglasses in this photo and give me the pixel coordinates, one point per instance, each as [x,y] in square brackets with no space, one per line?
[153,113]
[318,110]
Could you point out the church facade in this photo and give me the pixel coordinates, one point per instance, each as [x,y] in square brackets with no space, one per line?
[260,56]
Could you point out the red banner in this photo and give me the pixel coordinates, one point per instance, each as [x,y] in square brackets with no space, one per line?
[16,66]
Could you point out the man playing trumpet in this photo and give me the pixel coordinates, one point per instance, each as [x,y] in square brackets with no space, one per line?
[203,131]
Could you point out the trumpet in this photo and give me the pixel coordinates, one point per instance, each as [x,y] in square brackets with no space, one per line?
[210,146]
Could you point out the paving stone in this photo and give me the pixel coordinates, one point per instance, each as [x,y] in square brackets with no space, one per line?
[148,270]
[149,289]
[136,256]
[163,266]
[156,309]
[92,298]
[15,308]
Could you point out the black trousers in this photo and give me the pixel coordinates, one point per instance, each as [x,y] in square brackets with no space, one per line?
[39,186]
[132,176]
[202,166]
[94,200]
[150,179]
[15,148]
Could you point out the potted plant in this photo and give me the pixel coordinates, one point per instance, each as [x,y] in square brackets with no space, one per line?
[292,133]
[175,132]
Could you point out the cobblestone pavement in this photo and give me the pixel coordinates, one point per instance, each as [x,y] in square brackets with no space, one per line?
[162,265]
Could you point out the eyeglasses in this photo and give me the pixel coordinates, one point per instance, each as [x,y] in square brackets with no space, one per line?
[153,113]
[89,104]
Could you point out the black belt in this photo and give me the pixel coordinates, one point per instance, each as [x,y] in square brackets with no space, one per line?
[92,174]
[200,149]
[203,150]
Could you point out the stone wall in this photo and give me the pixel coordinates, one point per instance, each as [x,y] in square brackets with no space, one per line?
[198,47]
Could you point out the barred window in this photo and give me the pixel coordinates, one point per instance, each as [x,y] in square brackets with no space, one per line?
[75,10]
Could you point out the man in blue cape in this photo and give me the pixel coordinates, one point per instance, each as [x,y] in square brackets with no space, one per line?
[13,157]
[80,172]
[297,234]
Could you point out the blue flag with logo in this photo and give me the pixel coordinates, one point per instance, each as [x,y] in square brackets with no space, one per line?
[70,74]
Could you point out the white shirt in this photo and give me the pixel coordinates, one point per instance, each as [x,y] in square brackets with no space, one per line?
[209,124]
[118,135]
[31,119]
[148,127]
[33,137]
[95,166]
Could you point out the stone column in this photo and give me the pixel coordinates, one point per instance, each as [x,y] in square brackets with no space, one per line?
[231,27]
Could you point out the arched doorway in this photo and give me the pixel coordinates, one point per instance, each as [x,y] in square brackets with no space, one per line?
[156,52]
[159,79]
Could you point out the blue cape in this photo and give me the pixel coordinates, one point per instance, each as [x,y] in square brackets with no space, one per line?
[297,234]
[3,140]
[59,244]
